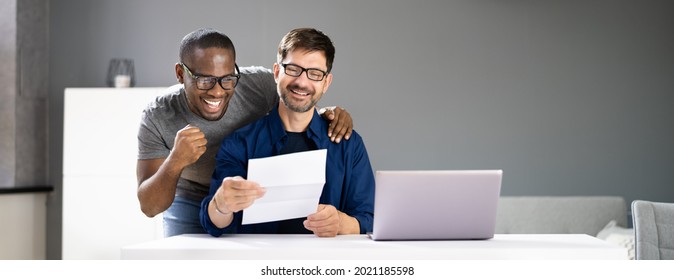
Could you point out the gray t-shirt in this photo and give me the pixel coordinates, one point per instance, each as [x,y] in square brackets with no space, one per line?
[254,97]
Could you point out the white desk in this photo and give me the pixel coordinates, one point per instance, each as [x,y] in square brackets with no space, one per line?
[298,247]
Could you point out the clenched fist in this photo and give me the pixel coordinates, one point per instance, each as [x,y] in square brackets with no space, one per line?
[189,145]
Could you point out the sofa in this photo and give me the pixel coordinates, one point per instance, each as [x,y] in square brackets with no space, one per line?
[604,217]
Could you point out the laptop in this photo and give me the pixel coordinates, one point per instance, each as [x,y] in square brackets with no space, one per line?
[435,204]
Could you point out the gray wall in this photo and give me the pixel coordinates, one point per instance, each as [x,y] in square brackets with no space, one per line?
[24,93]
[8,31]
[567,97]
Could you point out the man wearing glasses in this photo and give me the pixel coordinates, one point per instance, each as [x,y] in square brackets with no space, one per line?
[181,130]
[346,204]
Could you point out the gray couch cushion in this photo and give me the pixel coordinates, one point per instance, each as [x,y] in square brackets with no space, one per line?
[559,214]
[654,226]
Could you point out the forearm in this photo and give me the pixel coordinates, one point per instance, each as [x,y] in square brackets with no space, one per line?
[157,192]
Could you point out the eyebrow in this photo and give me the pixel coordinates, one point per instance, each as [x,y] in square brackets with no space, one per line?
[211,76]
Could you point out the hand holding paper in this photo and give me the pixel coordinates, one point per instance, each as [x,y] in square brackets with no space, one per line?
[325,222]
[238,194]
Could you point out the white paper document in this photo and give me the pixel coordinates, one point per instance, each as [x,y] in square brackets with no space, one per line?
[294,183]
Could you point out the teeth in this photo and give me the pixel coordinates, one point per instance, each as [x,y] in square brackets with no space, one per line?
[213,103]
[301,93]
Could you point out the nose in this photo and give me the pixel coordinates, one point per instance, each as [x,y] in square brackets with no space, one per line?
[303,79]
[217,90]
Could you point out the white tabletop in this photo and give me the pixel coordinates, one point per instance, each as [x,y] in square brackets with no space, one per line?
[297,247]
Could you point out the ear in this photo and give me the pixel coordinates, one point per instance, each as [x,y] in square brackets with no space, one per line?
[179,73]
[328,81]
[276,71]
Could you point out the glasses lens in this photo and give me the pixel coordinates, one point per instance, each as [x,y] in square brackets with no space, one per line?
[314,74]
[229,82]
[293,70]
[205,83]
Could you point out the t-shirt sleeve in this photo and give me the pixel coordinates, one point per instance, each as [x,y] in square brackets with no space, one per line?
[151,145]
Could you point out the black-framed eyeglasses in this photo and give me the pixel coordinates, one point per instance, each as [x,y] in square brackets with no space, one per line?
[227,82]
[296,70]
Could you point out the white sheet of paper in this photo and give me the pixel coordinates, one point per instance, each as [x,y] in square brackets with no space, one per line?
[294,183]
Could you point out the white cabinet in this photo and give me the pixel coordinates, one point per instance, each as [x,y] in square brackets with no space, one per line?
[101,212]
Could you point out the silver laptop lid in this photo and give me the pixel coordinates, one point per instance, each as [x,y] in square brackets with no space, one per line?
[436,204]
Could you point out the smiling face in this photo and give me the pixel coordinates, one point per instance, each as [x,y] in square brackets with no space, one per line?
[300,94]
[215,62]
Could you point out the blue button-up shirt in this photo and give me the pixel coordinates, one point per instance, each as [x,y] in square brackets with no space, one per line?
[349,185]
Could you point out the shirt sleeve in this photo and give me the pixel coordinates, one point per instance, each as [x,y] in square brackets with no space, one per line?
[230,161]
[212,229]
[360,193]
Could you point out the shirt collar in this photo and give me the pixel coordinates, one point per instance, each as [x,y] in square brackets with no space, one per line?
[315,131]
